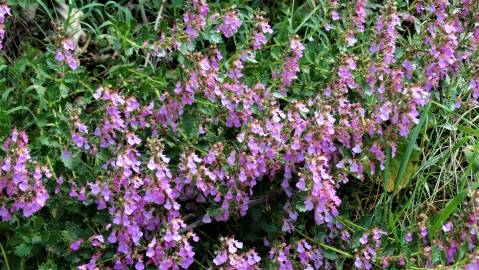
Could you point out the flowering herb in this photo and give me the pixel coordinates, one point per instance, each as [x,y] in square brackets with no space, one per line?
[181,130]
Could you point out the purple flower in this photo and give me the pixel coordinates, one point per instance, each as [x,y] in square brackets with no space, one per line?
[74,246]
[473,265]
[364,239]
[139,265]
[474,85]
[220,258]
[4,10]
[408,237]
[423,231]
[358,263]
[4,214]
[59,56]
[72,62]
[360,17]
[64,54]
[231,23]
[335,15]
[447,227]
[78,140]
[259,39]
[68,45]
[206,219]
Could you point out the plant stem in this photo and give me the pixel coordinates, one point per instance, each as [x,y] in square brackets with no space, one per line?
[325,246]
[347,222]
[4,257]
[51,168]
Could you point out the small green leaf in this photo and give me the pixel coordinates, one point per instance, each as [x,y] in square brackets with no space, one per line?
[299,200]
[23,250]
[63,90]
[66,158]
[436,256]
[214,210]
[330,255]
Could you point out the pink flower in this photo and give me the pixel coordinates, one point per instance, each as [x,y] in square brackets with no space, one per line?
[231,23]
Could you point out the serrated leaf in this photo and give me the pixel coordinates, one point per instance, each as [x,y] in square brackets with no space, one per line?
[436,256]
[23,250]
[299,200]
[66,158]
[36,239]
[190,125]
[330,255]
[48,142]
[214,210]
[214,38]
[41,95]
[63,90]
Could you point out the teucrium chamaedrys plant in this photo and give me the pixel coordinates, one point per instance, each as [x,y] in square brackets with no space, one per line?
[239,113]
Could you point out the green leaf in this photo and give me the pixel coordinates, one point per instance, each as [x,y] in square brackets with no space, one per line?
[395,165]
[406,158]
[298,201]
[340,263]
[214,210]
[41,95]
[23,250]
[66,158]
[436,256]
[190,125]
[214,37]
[63,90]
[36,239]
[330,255]
[47,141]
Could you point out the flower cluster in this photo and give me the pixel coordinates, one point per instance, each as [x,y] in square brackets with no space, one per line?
[149,174]
[360,19]
[21,179]
[4,11]
[228,256]
[370,242]
[299,255]
[454,237]
[291,64]
[230,25]
[136,188]
[65,53]
[299,141]
[259,36]
[195,20]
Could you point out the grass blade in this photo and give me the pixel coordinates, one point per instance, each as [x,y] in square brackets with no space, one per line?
[410,146]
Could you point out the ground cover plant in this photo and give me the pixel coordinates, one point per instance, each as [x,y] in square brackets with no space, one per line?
[239,134]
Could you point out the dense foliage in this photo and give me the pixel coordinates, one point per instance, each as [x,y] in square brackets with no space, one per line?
[239,134]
